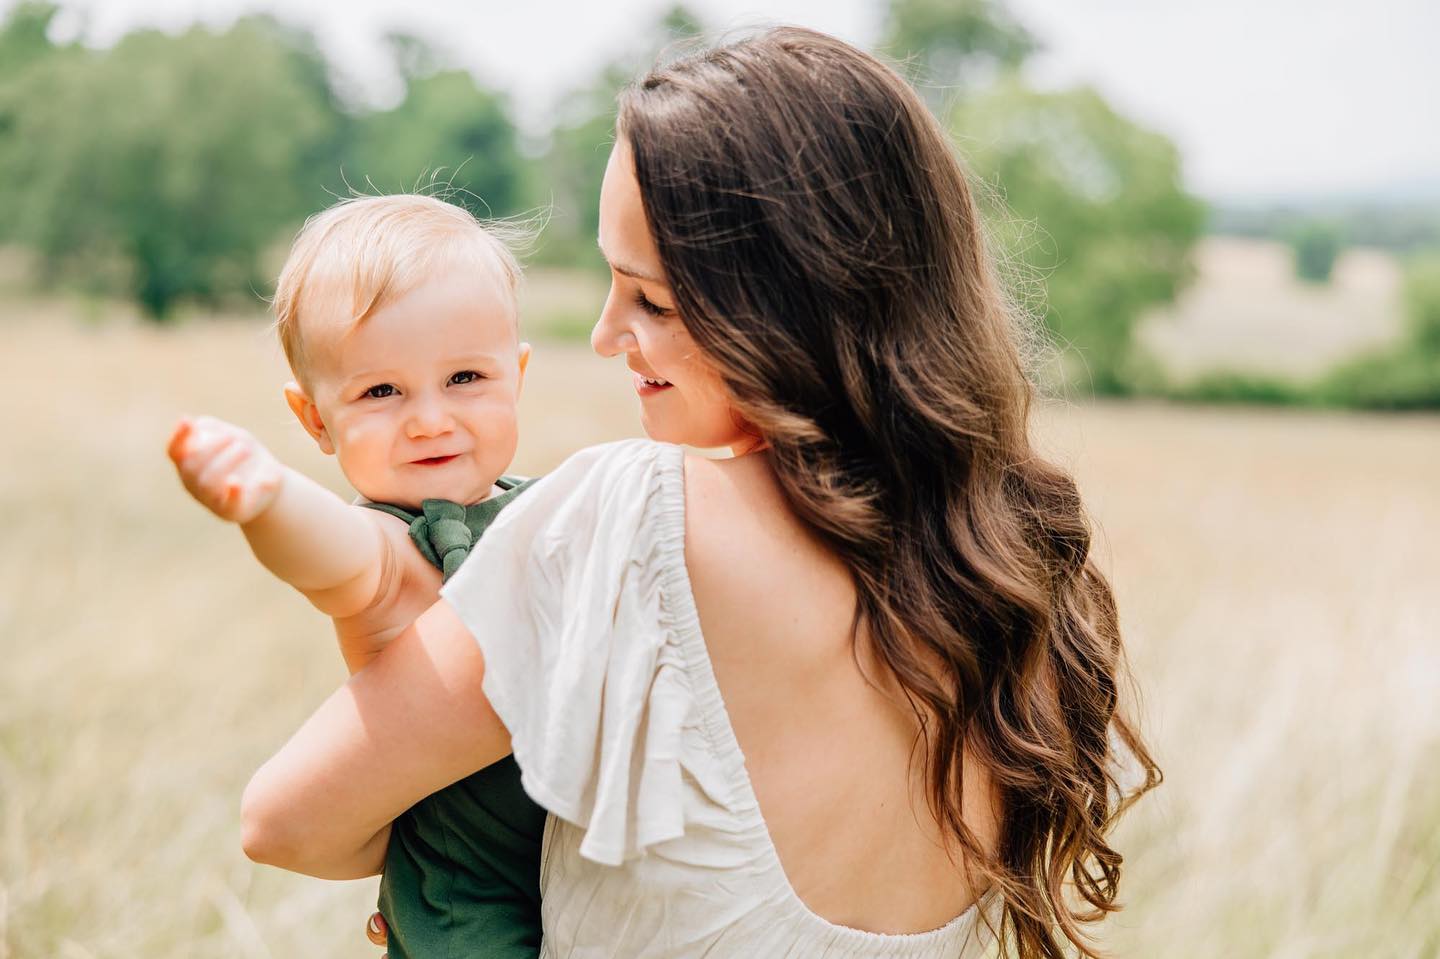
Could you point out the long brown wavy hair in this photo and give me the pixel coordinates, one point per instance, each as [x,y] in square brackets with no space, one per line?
[824,251]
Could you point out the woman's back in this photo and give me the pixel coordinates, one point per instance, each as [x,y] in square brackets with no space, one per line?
[830,744]
[582,600]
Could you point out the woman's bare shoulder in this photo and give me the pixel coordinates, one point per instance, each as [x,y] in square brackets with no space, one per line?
[737,493]
[753,562]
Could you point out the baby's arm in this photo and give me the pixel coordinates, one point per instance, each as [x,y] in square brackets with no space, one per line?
[334,553]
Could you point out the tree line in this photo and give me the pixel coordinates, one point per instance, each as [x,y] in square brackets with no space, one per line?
[170,168]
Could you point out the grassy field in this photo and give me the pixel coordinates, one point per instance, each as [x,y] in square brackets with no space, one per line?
[1246,312]
[1277,577]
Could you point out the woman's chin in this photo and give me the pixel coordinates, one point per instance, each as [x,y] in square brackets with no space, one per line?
[662,431]
[657,429]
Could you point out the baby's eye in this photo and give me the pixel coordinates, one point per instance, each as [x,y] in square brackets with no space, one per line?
[464,377]
[379,391]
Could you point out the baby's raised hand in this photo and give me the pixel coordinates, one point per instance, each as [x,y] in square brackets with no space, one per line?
[229,471]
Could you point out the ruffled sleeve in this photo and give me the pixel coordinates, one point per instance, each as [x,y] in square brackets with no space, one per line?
[571,595]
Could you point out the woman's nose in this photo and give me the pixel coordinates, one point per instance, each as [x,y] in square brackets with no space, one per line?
[612,336]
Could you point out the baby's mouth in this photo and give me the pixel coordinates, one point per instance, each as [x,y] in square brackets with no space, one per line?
[435,460]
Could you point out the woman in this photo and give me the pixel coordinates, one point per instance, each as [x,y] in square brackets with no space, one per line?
[877,623]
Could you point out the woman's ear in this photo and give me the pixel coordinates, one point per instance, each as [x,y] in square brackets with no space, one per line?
[308,414]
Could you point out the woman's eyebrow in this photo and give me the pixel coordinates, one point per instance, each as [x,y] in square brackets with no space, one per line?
[629,271]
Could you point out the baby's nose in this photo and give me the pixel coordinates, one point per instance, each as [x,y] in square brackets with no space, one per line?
[428,418]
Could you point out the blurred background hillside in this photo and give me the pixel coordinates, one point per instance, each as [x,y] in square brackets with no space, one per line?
[1208,208]
[166,169]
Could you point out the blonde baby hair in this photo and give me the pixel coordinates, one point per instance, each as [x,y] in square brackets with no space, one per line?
[374,250]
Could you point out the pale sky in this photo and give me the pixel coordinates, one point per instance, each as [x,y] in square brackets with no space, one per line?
[1266,98]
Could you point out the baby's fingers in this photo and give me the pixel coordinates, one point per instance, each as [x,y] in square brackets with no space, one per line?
[201,450]
[179,439]
[223,469]
[246,497]
[232,498]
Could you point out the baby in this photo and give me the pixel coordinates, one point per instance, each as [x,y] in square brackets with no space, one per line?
[398,317]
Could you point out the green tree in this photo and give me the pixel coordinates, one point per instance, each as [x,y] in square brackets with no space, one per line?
[574,162]
[1405,375]
[1422,301]
[1091,202]
[1315,244]
[954,45]
[24,46]
[1077,195]
[677,24]
[447,129]
[573,167]
[24,38]
[163,166]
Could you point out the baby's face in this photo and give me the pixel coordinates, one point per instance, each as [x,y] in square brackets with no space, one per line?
[418,401]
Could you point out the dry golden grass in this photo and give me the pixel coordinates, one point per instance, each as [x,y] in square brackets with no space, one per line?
[1247,312]
[1277,575]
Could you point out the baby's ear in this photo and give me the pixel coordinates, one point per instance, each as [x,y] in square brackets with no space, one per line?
[308,414]
[524,363]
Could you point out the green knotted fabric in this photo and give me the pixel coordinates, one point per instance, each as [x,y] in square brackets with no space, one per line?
[462,869]
[444,530]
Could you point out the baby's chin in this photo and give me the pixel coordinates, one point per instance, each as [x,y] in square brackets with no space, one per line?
[411,496]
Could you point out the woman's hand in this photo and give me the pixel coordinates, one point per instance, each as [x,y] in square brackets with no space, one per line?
[408,724]
[225,468]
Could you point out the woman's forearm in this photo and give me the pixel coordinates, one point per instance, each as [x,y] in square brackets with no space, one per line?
[270,843]
[408,724]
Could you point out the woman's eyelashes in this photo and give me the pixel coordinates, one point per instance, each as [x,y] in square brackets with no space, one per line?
[382,391]
[654,309]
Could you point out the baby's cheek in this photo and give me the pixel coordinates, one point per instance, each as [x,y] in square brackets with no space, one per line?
[501,434]
[364,453]
[505,425]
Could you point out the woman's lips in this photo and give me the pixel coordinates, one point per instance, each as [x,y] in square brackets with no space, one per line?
[435,460]
[644,387]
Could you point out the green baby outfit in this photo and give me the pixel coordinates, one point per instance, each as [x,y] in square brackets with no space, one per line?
[462,871]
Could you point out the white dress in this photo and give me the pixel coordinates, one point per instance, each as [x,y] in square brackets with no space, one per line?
[655,847]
